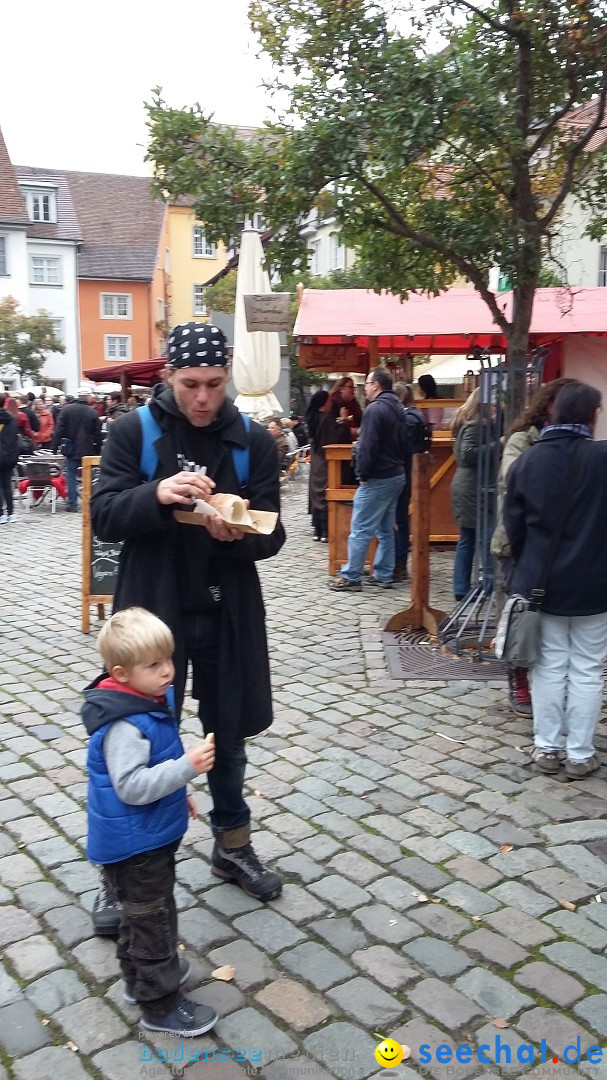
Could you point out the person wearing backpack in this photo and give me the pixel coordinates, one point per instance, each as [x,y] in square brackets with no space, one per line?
[77,434]
[419,441]
[9,456]
[200,580]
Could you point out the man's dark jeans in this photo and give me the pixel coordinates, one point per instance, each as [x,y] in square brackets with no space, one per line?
[6,489]
[226,778]
[147,941]
[72,465]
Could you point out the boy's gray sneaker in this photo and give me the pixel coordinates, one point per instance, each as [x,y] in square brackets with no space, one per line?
[184,970]
[242,867]
[107,911]
[188,1019]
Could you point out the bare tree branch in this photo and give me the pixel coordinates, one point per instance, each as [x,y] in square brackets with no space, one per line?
[490,177]
[576,149]
[550,126]
[501,29]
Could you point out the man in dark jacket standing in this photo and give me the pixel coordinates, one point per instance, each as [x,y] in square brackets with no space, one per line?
[201,581]
[78,435]
[380,456]
[9,456]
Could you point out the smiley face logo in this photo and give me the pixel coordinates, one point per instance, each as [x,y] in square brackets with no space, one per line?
[389,1053]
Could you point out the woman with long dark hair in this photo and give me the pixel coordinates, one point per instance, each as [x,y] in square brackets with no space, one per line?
[324,427]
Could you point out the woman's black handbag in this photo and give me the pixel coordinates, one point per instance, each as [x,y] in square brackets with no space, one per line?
[25,444]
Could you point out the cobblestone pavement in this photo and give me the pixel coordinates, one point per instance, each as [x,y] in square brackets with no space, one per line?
[426,863]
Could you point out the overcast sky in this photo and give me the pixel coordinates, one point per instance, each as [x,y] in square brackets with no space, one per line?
[74,75]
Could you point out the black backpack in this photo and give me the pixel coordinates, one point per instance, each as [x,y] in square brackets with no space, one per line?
[420,431]
[9,449]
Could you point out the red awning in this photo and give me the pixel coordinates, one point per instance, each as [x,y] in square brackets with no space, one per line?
[138,372]
[453,322]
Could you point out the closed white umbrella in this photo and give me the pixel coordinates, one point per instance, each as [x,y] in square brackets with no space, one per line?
[256,357]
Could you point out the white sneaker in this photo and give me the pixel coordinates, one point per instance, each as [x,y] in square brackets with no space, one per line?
[11,518]
[3,519]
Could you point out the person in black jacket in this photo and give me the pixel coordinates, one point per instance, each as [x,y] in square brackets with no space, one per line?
[380,456]
[27,407]
[9,456]
[201,581]
[567,679]
[77,434]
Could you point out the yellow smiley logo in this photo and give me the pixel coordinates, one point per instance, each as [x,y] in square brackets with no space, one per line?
[389,1053]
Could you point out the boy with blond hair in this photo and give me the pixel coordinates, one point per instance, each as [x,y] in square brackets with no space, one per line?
[138,811]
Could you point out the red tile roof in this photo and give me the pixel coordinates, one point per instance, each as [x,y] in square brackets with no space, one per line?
[12,206]
[581,118]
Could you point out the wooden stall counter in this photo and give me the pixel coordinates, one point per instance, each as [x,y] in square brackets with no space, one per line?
[340,497]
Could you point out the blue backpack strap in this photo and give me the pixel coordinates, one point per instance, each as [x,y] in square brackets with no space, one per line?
[241,456]
[170,698]
[150,431]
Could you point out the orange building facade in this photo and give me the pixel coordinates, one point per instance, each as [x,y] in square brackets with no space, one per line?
[122,319]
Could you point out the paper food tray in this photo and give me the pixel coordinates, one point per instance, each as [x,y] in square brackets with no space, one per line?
[233,511]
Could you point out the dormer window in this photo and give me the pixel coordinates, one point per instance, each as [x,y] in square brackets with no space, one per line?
[42,204]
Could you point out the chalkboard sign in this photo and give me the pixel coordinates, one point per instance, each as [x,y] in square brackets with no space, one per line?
[99,558]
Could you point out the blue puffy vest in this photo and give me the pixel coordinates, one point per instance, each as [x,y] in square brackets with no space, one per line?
[118,830]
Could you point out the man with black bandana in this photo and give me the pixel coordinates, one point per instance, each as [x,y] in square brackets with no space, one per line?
[201,581]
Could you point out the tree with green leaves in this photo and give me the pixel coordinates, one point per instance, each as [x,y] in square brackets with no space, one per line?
[25,340]
[446,161]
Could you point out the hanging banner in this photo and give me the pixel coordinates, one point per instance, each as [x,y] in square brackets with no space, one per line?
[268,312]
[333,358]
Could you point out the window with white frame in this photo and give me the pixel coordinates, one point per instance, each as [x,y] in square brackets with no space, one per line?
[200,300]
[336,252]
[117,346]
[3,262]
[203,249]
[315,259]
[45,270]
[603,266]
[159,310]
[116,306]
[41,204]
[58,330]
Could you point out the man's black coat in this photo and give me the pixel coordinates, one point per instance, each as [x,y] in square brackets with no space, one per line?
[124,507]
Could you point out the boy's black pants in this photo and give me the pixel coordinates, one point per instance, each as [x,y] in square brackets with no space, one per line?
[147,941]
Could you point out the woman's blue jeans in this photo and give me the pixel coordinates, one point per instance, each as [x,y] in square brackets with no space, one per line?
[464,559]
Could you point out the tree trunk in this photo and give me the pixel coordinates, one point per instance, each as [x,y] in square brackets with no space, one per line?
[518,349]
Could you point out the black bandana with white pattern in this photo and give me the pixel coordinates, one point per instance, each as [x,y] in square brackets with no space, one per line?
[197,345]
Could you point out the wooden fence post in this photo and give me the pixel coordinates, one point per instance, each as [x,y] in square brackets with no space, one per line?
[420,615]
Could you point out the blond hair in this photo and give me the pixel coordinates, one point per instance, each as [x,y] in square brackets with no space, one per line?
[132,636]
[468,411]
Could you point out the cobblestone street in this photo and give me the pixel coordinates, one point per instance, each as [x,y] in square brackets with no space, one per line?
[426,863]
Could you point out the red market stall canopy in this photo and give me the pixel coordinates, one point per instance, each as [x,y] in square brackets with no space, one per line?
[346,329]
[128,372]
